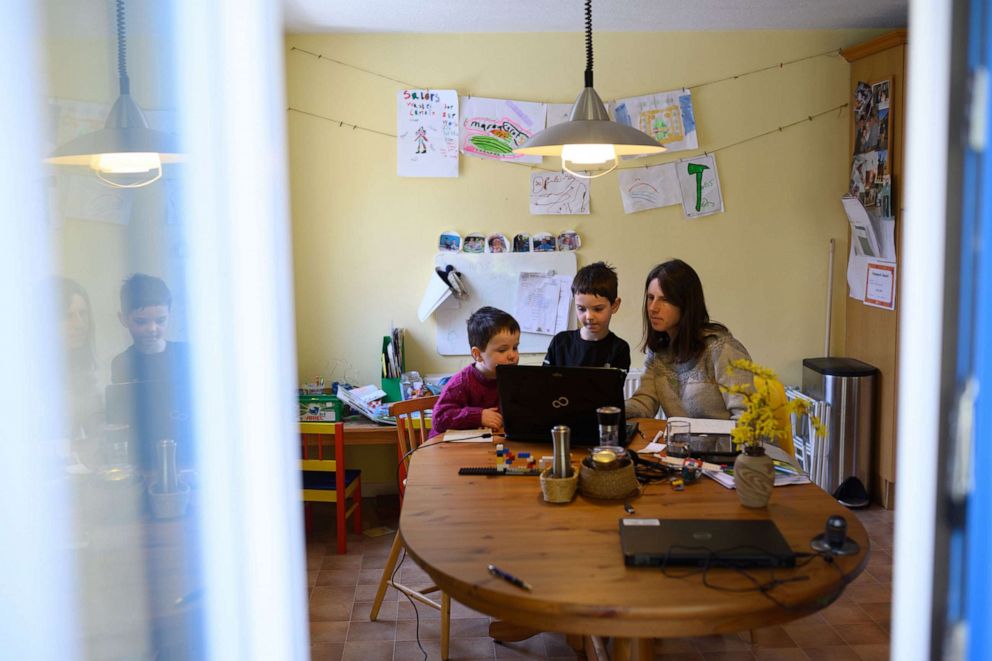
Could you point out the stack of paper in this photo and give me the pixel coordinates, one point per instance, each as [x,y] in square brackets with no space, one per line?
[365,400]
[706,425]
[781,478]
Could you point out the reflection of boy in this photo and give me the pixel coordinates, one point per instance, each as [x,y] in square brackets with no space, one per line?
[146,304]
[470,399]
[594,290]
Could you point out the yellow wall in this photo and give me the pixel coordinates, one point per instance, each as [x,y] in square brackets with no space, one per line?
[364,238]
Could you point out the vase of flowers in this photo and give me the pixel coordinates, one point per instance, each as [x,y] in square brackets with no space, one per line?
[767,418]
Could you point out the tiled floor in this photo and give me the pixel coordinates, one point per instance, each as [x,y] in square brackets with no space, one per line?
[342,588]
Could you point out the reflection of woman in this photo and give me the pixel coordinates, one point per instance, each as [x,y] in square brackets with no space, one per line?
[687,354]
[82,397]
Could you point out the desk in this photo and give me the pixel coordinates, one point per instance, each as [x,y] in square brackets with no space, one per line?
[361,432]
[454,526]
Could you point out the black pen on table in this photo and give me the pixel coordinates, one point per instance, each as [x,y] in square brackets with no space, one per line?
[509,578]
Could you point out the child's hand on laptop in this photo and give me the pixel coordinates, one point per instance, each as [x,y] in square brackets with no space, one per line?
[492,419]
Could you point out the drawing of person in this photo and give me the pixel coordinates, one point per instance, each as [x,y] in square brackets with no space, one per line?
[421,139]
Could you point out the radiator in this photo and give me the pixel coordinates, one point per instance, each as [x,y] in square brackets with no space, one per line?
[633,382]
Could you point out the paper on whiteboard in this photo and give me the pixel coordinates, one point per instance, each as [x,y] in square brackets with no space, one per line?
[542,303]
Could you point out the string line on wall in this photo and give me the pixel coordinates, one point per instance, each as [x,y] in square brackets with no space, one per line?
[531,166]
[780,65]
[341,124]
[321,56]
[833,52]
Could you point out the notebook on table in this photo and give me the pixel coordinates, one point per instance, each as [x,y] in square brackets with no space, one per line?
[704,542]
[535,398]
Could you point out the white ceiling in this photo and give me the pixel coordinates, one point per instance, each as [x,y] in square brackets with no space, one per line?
[607,15]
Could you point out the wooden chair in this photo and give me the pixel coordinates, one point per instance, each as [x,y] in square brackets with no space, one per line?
[411,432]
[326,480]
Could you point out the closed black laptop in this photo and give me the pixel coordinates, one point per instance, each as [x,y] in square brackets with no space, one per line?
[703,542]
[535,398]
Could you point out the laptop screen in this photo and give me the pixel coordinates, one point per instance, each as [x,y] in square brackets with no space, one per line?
[154,410]
[535,398]
[704,542]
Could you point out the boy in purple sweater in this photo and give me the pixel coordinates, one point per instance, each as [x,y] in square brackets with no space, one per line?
[470,398]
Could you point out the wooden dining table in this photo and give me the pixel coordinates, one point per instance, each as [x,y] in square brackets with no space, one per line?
[455,526]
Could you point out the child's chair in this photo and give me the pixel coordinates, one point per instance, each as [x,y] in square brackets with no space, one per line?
[325,479]
[411,432]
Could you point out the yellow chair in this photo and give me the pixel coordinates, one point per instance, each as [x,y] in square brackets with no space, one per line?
[411,432]
[326,480]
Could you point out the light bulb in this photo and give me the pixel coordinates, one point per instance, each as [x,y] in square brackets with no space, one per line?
[126,162]
[588,154]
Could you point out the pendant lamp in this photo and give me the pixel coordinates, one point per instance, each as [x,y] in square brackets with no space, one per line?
[125,153]
[589,137]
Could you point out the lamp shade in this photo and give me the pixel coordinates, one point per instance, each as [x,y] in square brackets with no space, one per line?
[125,132]
[590,124]
[125,153]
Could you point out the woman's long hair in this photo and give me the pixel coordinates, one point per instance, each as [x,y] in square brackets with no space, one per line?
[681,286]
[82,358]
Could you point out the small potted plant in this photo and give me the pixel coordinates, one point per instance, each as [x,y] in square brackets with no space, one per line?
[767,418]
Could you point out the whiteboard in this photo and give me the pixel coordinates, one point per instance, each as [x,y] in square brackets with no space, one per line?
[491,279]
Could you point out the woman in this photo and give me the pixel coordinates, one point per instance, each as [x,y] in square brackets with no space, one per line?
[687,354]
[82,397]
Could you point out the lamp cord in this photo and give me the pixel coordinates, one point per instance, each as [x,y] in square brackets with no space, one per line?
[125,82]
[588,43]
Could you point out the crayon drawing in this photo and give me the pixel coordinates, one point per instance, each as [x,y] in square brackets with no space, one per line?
[558,194]
[666,116]
[427,133]
[649,188]
[493,128]
[700,186]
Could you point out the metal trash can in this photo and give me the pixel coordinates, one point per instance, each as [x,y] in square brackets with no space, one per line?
[848,387]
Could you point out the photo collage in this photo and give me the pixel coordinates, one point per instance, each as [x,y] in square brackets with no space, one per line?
[871,182]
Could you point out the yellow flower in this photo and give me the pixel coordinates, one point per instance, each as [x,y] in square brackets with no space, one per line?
[767,411]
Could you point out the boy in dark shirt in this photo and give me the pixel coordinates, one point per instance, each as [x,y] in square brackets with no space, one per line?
[594,290]
[146,304]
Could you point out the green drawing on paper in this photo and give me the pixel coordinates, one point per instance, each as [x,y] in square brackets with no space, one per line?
[491,145]
[698,169]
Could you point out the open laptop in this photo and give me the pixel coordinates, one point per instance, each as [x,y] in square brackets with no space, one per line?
[704,543]
[535,398]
